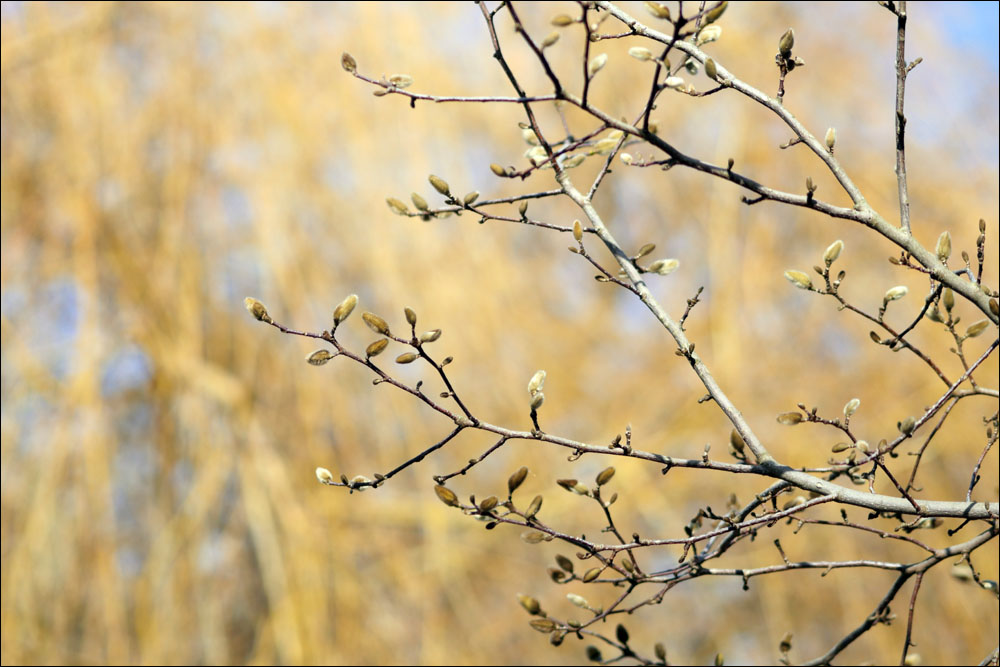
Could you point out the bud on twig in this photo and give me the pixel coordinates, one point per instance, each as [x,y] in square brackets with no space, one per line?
[419,202]
[943,249]
[852,406]
[440,185]
[376,348]
[348,62]
[257,309]
[446,495]
[398,207]
[640,53]
[596,63]
[833,252]
[711,70]
[664,267]
[786,43]
[516,479]
[536,383]
[401,80]
[657,10]
[897,292]
[319,357]
[799,279]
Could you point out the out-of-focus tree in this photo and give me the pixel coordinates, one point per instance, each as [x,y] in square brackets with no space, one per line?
[161,161]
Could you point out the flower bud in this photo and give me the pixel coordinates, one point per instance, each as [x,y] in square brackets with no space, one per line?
[446,495]
[640,53]
[537,383]
[319,357]
[852,406]
[430,336]
[517,479]
[530,604]
[376,323]
[799,279]
[790,418]
[344,309]
[713,15]
[257,309]
[605,476]
[833,252]
[977,328]
[664,267]
[658,10]
[596,63]
[709,33]
[711,69]
[377,347]
[786,43]
[439,184]
[398,207]
[897,292]
[419,202]
[944,246]
[401,80]
[533,508]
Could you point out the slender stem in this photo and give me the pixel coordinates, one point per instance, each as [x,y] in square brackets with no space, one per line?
[901,72]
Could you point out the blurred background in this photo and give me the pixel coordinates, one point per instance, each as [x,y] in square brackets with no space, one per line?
[162,161]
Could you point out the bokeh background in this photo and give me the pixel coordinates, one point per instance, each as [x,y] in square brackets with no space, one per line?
[161,161]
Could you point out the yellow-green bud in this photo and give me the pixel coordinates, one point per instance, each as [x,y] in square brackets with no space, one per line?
[833,252]
[377,347]
[446,495]
[376,323]
[439,184]
[976,328]
[711,69]
[799,279]
[786,43]
[640,53]
[658,10]
[897,292]
[257,309]
[419,202]
[852,406]
[596,63]
[319,357]
[344,309]
[401,80]
[398,207]
[944,246]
